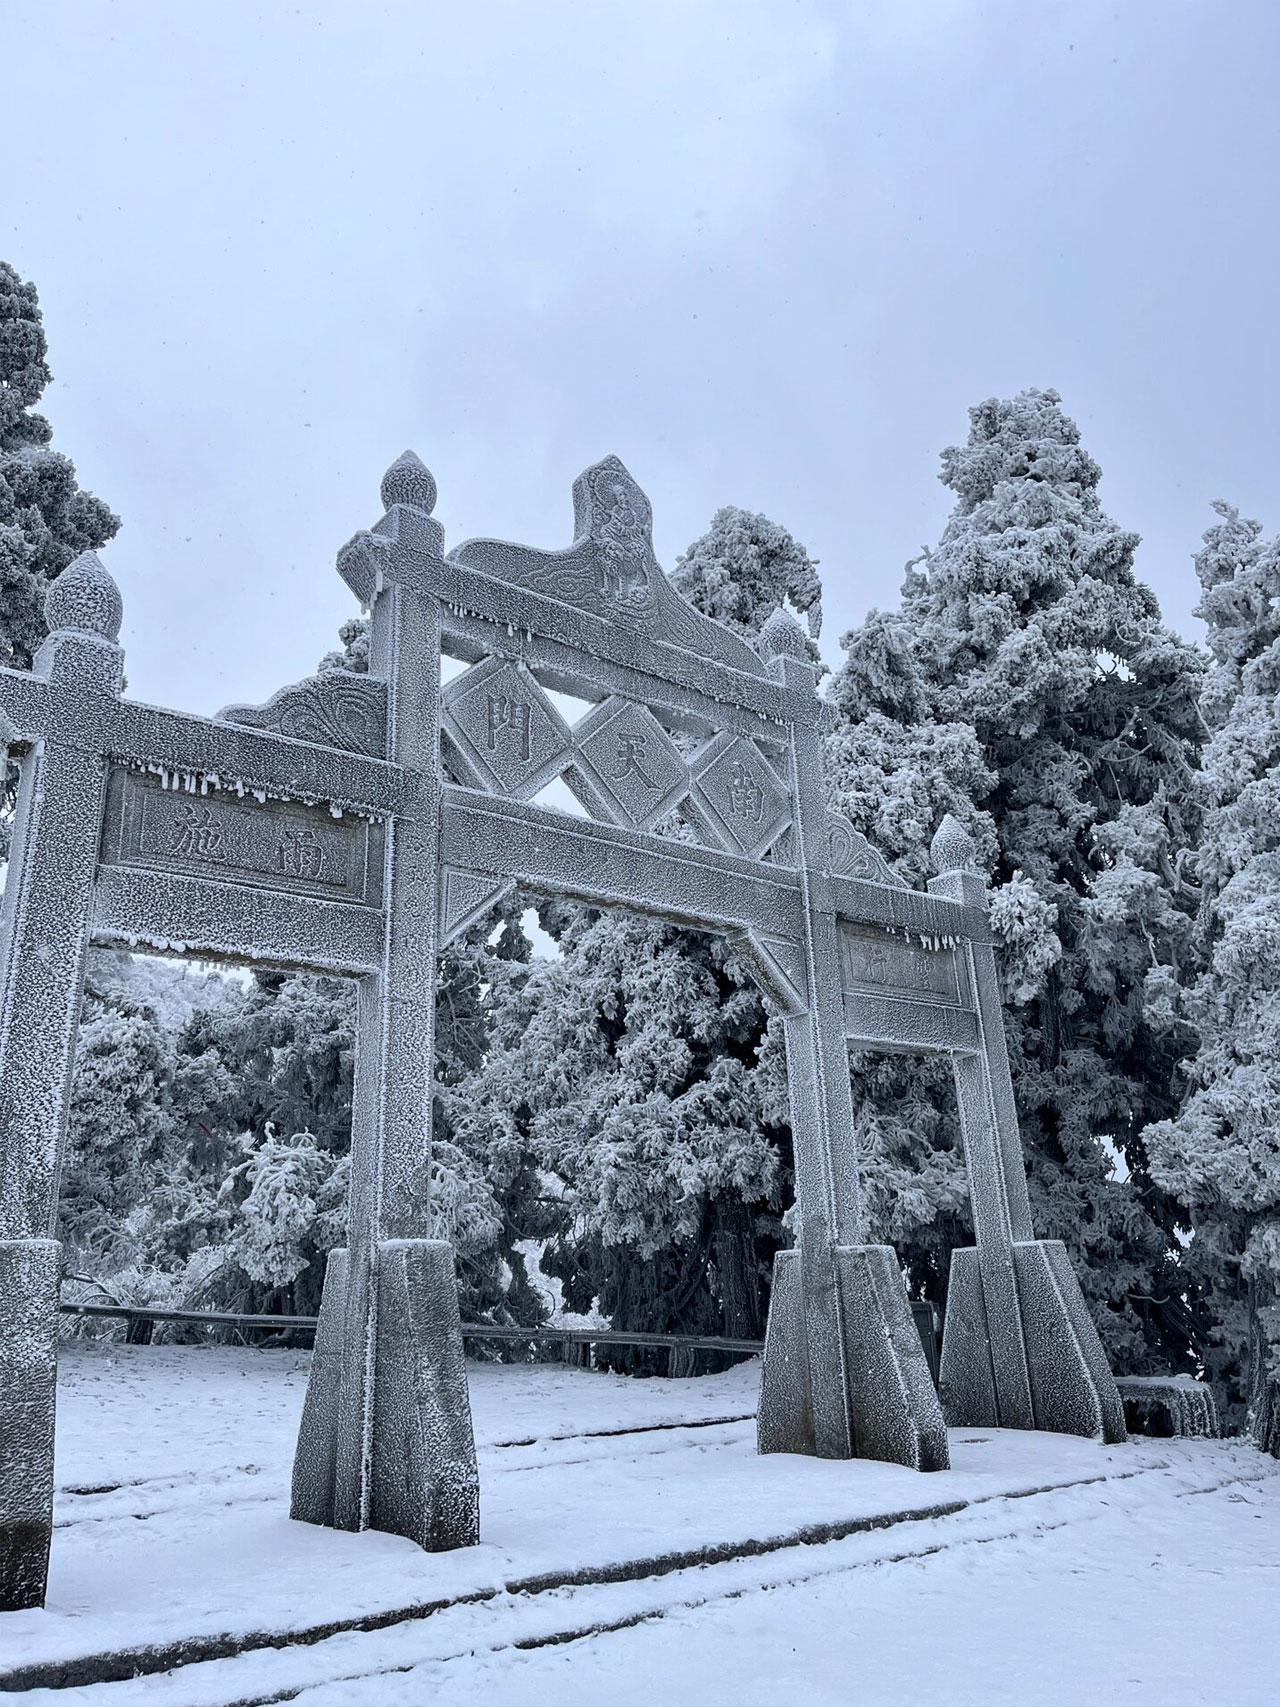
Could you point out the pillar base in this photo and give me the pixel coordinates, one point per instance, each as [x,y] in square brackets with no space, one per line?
[418,1478]
[1072,1388]
[30,1270]
[892,1408]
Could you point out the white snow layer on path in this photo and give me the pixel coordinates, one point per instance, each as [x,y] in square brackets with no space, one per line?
[1040,1569]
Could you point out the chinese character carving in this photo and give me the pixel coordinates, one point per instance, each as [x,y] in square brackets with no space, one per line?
[629,754]
[879,967]
[198,832]
[746,796]
[513,717]
[299,854]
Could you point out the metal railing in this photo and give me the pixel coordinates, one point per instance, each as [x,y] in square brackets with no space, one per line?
[140,1318]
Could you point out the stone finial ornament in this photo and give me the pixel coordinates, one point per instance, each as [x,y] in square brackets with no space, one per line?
[84,600]
[409,481]
[783,637]
[952,847]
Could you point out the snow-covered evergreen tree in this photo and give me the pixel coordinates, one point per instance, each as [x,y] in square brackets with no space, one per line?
[744,568]
[895,773]
[629,1068]
[1221,1154]
[130,1192]
[45,519]
[1027,626]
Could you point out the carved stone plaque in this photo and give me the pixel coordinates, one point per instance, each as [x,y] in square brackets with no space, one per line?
[508,734]
[633,761]
[893,966]
[740,794]
[268,844]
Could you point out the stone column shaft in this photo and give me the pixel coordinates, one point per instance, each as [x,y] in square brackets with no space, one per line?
[43,938]
[998,1197]
[828,1193]
[386,1439]
[395,1030]
[44,931]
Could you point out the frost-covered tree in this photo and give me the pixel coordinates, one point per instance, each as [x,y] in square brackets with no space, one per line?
[895,773]
[1028,626]
[1221,1154]
[744,568]
[120,1120]
[45,519]
[630,1069]
[131,1188]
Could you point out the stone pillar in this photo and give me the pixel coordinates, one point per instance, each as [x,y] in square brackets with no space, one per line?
[844,1370]
[1019,1347]
[44,928]
[386,1439]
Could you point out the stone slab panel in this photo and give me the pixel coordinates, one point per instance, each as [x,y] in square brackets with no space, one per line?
[897,965]
[230,838]
[784,1415]
[895,1410]
[966,1383]
[1072,1388]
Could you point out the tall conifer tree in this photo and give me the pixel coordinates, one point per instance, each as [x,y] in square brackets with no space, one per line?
[1221,1154]
[45,518]
[894,772]
[1028,626]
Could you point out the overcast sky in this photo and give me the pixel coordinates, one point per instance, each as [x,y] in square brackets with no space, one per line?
[766,253]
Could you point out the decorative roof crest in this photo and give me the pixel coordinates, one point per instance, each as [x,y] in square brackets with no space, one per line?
[610,571]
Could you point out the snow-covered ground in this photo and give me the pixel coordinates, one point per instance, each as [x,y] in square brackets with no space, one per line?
[634,1544]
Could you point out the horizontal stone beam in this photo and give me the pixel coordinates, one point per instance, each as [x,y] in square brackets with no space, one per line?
[176,914]
[297,770]
[896,1023]
[564,669]
[556,853]
[928,917]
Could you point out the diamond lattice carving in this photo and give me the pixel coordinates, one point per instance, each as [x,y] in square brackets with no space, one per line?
[626,766]
[738,798]
[510,738]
